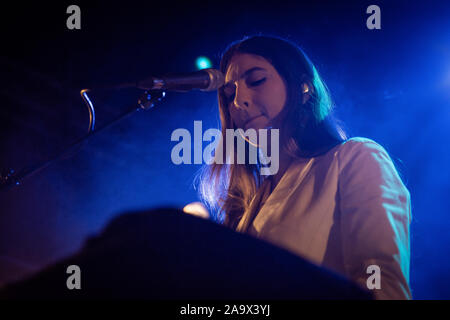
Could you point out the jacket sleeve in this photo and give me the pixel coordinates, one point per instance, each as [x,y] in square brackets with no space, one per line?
[375,216]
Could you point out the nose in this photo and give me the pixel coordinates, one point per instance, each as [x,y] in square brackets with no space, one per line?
[241,97]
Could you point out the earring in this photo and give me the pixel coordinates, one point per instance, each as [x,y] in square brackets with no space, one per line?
[305,88]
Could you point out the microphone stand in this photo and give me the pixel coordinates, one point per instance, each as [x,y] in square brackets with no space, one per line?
[147,100]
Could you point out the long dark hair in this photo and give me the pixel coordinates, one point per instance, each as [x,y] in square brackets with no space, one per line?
[309,129]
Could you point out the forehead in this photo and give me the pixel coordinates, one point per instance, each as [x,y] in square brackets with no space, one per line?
[242,62]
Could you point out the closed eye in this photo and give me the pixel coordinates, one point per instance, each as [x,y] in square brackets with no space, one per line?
[257,82]
[229,90]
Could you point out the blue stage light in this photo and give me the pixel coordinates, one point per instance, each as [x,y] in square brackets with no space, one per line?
[203,63]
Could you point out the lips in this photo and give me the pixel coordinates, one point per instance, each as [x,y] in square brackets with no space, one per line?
[251,119]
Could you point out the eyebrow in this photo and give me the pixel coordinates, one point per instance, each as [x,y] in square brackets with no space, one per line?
[246,73]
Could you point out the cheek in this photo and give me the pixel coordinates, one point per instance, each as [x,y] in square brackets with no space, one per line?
[275,102]
[235,117]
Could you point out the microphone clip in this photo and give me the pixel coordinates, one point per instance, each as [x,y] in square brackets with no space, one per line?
[150,98]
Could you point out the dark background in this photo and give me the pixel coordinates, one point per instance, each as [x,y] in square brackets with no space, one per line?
[390,85]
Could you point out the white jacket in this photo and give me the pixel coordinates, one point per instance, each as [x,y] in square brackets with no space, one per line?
[344,210]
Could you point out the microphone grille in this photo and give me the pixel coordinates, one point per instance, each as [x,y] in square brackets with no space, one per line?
[216,79]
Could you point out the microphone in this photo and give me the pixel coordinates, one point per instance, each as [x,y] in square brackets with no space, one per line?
[204,80]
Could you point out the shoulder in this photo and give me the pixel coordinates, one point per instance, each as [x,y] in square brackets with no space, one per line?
[367,159]
[363,160]
[360,144]
[357,149]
